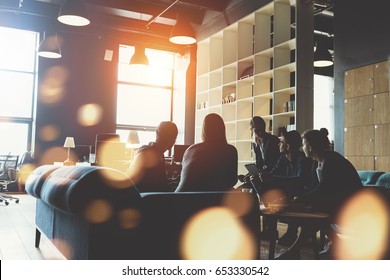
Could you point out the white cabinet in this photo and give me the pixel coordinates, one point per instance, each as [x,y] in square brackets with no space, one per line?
[251,68]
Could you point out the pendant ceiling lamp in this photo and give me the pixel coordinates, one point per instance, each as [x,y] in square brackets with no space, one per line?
[182,33]
[139,56]
[322,56]
[73,12]
[49,47]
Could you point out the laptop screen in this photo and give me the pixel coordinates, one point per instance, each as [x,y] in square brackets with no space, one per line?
[178,152]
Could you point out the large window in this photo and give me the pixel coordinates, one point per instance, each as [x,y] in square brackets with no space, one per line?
[150,94]
[324,104]
[18,71]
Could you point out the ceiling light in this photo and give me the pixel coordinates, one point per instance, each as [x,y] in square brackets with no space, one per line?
[322,57]
[139,56]
[73,12]
[182,33]
[49,47]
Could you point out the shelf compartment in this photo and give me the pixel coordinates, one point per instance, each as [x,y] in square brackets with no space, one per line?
[229,45]
[243,130]
[203,57]
[202,83]
[245,88]
[244,150]
[216,110]
[263,106]
[216,78]
[215,97]
[245,39]
[263,62]
[230,131]
[262,84]
[283,120]
[263,27]
[216,47]
[229,74]
[244,109]
[229,112]
[284,102]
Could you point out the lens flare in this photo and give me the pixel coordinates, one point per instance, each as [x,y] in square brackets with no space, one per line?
[241,204]
[52,86]
[89,114]
[364,227]
[129,218]
[25,170]
[49,133]
[216,233]
[98,211]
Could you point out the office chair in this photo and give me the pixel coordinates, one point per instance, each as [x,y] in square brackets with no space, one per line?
[8,175]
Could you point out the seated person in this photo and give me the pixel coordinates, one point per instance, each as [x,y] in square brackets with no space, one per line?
[147,170]
[264,146]
[212,164]
[291,175]
[338,180]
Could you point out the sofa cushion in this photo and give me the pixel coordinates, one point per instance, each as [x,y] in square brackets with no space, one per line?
[73,188]
[384,181]
[369,177]
[36,179]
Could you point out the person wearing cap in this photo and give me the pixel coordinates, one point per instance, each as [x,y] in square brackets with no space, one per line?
[212,164]
[148,171]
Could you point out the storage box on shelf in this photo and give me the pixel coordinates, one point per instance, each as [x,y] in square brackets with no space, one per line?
[256,60]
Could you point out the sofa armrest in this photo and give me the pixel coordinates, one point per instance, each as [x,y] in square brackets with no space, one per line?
[73,189]
[35,180]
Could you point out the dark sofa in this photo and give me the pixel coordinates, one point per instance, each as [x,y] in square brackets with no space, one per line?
[91,212]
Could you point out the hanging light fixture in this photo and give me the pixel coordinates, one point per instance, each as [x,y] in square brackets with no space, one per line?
[139,56]
[182,33]
[73,12]
[322,56]
[49,47]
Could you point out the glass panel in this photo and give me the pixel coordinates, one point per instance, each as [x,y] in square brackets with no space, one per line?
[13,138]
[142,105]
[147,75]
[144,136]
[16,94]
[17,49]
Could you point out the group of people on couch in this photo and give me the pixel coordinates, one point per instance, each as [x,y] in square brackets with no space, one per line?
[303,167]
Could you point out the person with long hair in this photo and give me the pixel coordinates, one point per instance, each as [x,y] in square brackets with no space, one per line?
[212,164]
[337,181]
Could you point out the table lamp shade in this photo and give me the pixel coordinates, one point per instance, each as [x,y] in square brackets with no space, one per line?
[69,142]
[133,138]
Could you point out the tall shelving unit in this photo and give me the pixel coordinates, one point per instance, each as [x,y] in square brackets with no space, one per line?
[261,65]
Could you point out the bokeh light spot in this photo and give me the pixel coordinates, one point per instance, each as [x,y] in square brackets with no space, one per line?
[52,86]
[98,211]
[364,227]
[49,133]
[129,218]
[216,233]
[89,114]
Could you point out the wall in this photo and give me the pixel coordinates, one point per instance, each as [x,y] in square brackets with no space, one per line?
[361,37]
[65,85]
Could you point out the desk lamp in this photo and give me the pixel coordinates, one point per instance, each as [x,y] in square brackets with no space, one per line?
[69,143]
[132,141]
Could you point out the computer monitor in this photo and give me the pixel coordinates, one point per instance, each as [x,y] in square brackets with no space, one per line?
[178,152]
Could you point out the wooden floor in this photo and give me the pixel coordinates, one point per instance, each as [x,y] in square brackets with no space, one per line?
[17,234]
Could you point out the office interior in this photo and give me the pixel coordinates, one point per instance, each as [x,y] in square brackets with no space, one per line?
[355,31]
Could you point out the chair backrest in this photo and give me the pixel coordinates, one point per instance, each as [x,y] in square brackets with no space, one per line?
[7,162]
